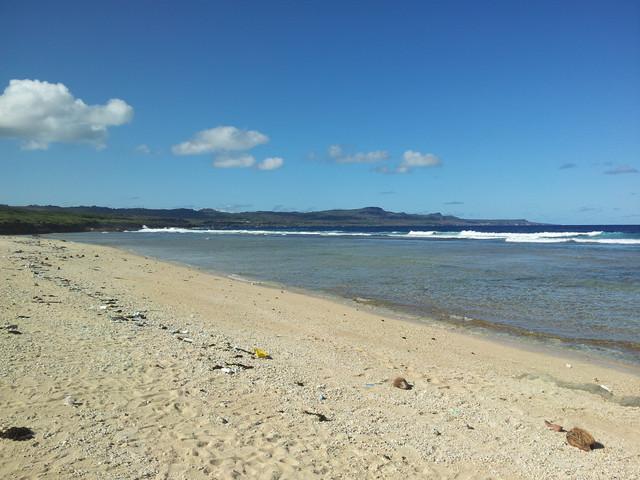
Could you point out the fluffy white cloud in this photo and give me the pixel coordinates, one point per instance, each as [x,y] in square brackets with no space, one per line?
[242,160]
[337,153]
[224,138]
[410,161]
[40,113]
[271,163]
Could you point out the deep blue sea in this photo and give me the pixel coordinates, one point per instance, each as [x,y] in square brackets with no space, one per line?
[573,285]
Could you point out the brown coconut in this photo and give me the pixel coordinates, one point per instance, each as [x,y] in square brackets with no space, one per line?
[581,439]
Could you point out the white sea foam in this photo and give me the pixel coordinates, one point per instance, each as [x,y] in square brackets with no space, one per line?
[418,234]
[146,229]
[537,237]
[510,237]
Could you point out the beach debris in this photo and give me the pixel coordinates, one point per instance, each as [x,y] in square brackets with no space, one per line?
[240,365]
[226,370]
[71,402]
[579,438]
[259,353]
[604,387]
[185,339]
[17,434]
[568,365]
[300,384]
[239,349]
[401,383]
[321,417]
[554,426]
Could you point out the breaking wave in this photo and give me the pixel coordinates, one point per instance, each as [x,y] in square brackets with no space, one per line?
[593,237]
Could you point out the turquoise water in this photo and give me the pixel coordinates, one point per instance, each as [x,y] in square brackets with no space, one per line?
[582,293]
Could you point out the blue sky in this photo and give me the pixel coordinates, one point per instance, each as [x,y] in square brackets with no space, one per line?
[478,109]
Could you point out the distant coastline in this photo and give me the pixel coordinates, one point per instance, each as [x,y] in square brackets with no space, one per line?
[38,219]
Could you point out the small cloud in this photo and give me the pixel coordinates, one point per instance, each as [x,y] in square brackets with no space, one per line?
[566,166]
[410,161]
[40,113]
[143,149]
[620,170]
[455,202]
[223,138]
[271,163]
[228,160]
[337,153]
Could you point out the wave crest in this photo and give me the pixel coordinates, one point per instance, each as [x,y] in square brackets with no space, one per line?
[594,237]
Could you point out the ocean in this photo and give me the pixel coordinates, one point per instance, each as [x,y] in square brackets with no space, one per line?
[577,286]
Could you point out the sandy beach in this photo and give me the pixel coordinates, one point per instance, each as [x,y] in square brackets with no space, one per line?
[124,367]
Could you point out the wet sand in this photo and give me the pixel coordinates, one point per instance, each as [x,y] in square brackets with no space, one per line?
[126,367]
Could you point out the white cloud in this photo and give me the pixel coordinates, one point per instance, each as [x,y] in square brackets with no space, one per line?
[411,159]
[271,163]
[143,148]
[223,138]
[242,160]
[40,113]
[337,153]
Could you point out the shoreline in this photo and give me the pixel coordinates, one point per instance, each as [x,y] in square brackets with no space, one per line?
[603,350]
[104,327]
[558,347]
[502,334]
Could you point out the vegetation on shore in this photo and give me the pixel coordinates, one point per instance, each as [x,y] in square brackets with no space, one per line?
[49,219]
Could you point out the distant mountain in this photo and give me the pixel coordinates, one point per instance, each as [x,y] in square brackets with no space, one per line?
[48,219]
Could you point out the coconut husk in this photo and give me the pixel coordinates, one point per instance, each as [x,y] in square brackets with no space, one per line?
[579,438]
[401,383]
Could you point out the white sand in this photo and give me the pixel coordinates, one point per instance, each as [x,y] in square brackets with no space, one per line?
[149,405]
